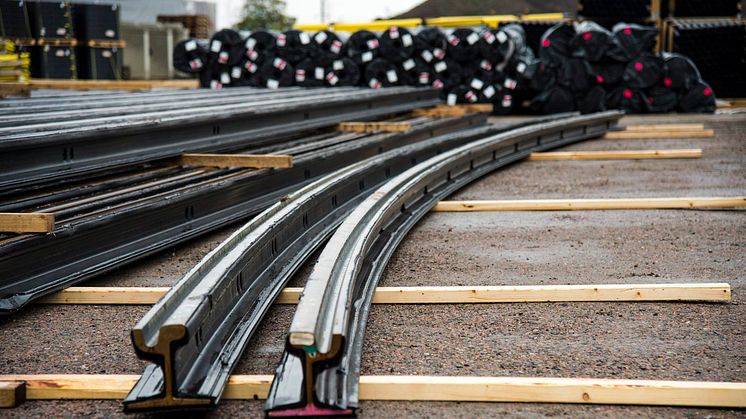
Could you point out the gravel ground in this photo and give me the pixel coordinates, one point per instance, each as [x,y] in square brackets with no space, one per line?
[601,340]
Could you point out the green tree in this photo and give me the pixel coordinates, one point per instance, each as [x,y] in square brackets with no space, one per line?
[264,14]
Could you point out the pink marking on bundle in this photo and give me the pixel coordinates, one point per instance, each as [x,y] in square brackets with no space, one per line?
[628,94]
[587,36]
[707,91]
[546,43]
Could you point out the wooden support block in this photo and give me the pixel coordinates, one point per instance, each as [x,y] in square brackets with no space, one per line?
[430,388]
[590,204]
[664,127]
[106,84]
[26,222]
[618,155]
[439,295]
[365,127]
[440,112]
[644,135]
[237,160]
[20,89]
[12,393]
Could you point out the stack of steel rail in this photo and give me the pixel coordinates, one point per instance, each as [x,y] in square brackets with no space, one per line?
[195,334]
[105,168]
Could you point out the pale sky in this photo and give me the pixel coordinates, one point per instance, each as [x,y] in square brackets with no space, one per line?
[308,11]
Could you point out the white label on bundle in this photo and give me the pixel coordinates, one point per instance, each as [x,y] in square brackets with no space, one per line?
[367,56]
[106,53]
[59,53]
[304,38]
[223,57]
[332,79]
[406,40]
[300,75]
[250,43]
[424,78]
[440,66]
[42,32]
[215,46]
[507,100]
[501,37]
[61,31]
[453,40]
[473,38]
[236,72]
[215,85]
[394,32]
[408,65]
[477,84]
[273,84]
[489,92]
[510,84]
[427,56]
[319,73]
[110,33]
[486,65]
[67,52]
[471,96]
[336,47]
[282,39]
[279,63]
[252,55]
[372,43]
[437,84]
[250,67]
[46,48]
[338,65]
[489,37]
[225,78]
[452,99]
[439,53]
[374,83]
[191,45]
[521,67]
[391,76]
[320,37]
[195,64]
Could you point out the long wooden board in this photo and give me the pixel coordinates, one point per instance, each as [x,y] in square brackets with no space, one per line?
[26,222]
[664,127]
[365,127]
[237,160]
[660,134]
[591,204]
[12,393]
[689,153]
[104,84]
[430,388]
[440,295]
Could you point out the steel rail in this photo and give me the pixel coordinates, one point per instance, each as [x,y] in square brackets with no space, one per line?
[319,371]
[80,248]
[28,158]
[195,334]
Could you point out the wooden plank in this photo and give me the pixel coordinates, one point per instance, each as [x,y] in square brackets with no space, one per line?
[237,160]
[591,204]
[440,295]
[691,153]
[430,388]
[26,222]
[664,127]
[440,112]
[643,135]
[12,393]
[104,84]
[365,127]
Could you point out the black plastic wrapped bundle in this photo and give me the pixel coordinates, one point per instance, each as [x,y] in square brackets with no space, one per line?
[363,47]
[309,73]
[344,72]
[463,45]
[591,41]
[680,73]
[260,44]
[190,56]
[447,74]
[274,73]
[416,72]
[630,40]
[381,73]
[577,75]
[431,44]
[594,100]
[329,47]
[397,44]
[504,103]
[700,99]
[659,99]
[224,47]
[629,100]
[495,46]
[643,72]
[554,100]
[555,44]
[295,46]
[461,94]
[608,73]
[544,77]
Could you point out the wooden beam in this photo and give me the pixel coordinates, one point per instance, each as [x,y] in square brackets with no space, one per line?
[12,393]
[430,388]
[365,127]
[26,222]
[692,153]
[237,160]
[664,127]
[104,84]
[439,295]
[590,204]
[643,135]
[440,112]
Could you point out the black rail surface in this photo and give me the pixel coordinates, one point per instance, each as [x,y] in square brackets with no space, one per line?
[319,370]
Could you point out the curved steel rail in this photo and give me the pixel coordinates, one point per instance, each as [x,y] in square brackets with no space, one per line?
[319,371]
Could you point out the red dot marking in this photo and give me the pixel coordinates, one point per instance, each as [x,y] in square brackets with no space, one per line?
[638,66]
[707,91]
[628,31]
[546,43]
[628,94]
[587,36]
[667,82]
[600,79]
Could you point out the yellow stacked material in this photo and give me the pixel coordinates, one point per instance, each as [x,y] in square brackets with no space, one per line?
[14,66]
[377,25]
[495,20]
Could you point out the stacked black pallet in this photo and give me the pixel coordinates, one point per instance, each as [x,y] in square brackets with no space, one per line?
[99,53]
[467,65]
[51,25]
[588,68]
